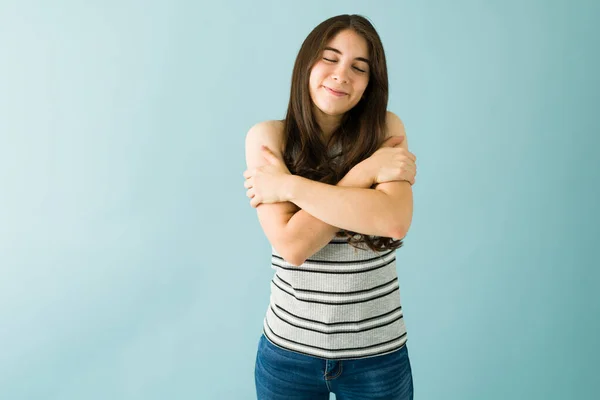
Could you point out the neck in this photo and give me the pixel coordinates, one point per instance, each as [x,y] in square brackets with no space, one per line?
[327,123]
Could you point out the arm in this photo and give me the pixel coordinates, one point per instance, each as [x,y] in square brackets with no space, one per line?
[294,233]
[369,211]
[383,211]
[305,234]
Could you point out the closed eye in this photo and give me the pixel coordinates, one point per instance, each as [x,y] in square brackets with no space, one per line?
[356,68]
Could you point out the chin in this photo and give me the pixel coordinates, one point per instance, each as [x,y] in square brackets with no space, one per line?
[333,110]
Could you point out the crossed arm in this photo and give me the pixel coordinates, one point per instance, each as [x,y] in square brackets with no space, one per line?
[310,212]
[294,232]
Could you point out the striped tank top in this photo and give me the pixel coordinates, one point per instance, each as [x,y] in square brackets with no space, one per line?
[342,303]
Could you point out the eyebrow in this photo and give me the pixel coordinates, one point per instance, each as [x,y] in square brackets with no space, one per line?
[340,53]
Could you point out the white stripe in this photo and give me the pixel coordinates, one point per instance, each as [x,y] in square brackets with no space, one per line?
[355,327]
[335,298]
[338,282]
[333,341]
[330,313]
[332,354]
[356,265]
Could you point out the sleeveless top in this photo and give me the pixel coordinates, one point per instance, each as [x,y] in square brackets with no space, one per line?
[341,303]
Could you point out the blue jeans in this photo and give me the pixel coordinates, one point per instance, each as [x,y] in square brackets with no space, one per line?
[285,375]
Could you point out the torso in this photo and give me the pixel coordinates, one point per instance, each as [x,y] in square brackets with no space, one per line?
[342,303]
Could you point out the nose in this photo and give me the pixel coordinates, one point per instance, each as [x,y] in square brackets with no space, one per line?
[340,74]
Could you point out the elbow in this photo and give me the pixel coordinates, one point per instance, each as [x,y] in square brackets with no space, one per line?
[397,228]
[295,258]
[397,232]
[289,249]
[397,218]
[296,261]
[292,256]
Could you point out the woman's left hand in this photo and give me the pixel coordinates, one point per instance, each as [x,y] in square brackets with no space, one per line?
[266,184]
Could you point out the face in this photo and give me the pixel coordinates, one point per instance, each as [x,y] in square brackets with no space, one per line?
[340,77]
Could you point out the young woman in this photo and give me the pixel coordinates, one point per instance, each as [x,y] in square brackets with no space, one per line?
[332,188]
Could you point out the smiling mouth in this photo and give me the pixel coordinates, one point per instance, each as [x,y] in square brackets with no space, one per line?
[335,92]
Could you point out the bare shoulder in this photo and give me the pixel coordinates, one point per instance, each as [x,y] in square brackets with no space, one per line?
[268,133]
[395,127]
[273,217]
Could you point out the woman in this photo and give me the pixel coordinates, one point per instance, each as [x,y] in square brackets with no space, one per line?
[332,188]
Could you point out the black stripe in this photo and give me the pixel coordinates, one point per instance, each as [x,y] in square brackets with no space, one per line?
[336,350]
[331,271]
[345,357]
[337,303]
[351,331]
[366,260]
[323,292]
[342,322]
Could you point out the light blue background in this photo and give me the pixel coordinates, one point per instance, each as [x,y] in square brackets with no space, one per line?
[133,267]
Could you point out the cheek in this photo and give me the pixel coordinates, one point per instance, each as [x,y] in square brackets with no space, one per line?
[363,86]
[312,85]
[316,75]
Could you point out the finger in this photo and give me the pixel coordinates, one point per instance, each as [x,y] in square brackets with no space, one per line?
[393,141]
[413,177]
[248,173]
[248,183]
[407,154]
[254,202]
[250,193]
[408,178]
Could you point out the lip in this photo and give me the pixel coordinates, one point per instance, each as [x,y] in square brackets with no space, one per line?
[335,92]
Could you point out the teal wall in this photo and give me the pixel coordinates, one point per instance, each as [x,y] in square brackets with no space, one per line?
[132,266]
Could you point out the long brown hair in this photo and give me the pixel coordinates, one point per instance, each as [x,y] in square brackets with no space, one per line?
[362,130]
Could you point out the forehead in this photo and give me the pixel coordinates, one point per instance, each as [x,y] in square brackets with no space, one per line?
[350,43]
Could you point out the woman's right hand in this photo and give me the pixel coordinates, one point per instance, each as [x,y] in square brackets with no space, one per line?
[392,162]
